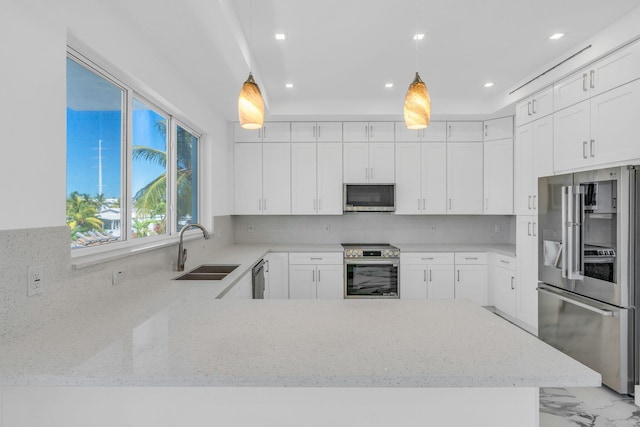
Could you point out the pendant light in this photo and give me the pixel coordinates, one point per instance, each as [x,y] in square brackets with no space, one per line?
[250,103]
[417,103]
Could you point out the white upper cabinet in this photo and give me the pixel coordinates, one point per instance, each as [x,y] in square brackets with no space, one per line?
[270,132]
[421,176]
[465,131]
[598,131]
[464,178]
[316,132]
[316,178]
[262,176]
[535,107]
[436,132]
[498,129]
[533,158]
[368,131]
[614,70]
[369,163]
[498,177]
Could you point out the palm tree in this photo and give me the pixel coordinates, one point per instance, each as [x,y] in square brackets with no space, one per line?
[151,199]
[81,214]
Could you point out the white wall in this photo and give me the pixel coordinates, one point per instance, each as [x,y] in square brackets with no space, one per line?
[33,101]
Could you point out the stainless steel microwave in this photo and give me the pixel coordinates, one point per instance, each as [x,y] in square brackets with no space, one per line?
[369,197]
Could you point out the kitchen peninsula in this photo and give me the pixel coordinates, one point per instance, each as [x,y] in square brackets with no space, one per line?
[420,359]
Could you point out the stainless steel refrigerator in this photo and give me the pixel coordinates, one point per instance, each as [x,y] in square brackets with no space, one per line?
[588,226]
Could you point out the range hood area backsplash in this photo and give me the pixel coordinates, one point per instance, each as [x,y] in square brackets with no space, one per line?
[375,228]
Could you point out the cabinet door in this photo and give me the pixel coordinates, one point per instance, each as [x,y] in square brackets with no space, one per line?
[464,131]
[542,103]
[381,163]
[523,170]
[614,137]
[542,150]
[276,275]
[247,178]
[523,112]
[527,270]
[329,131]
[440,282]
[355,131]
[616,69]
[504,297]
[434,178]
[406,135]
[356,162]
[381,132]
[409,198]
[571,137]
[303,131]
[413,281]
[498,177]
[329,178]
[330,282]
[276,178]
[471,283]
[435,132]
[464,178]
[572,90]
[276,132]
[498,129]
[302,281]
[241,134]
[303,179]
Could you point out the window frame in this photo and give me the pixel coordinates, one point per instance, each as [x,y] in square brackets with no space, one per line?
[127,244]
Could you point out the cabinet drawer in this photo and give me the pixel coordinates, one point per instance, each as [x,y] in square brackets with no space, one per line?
[421,258]
[471,258]
[316,258]
[506,262]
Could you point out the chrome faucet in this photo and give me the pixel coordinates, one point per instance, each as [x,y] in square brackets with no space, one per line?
[182,253]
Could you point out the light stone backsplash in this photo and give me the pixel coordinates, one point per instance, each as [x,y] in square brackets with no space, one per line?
[66,289]
[375,228]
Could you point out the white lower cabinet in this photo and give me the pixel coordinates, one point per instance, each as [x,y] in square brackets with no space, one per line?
[316,275]
[276,275]
[426,275]
[471,281]
[503,285]
[243,289]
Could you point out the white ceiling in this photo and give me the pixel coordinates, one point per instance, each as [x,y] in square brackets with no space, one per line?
[340,53]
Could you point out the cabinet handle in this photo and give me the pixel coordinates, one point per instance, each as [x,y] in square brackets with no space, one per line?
[366,131]
[534,230]
[512,285]
[592,142]
[486,203]
[319,279]
[450,204]
[319,127]
[592,79]
[366,173]
[430,276]
[316,258]
[314,132]
[529,228]
[266,266]
[449,131]
[529,108]
[426,259]
[534,202]
[533,106]
[486,130]
[468,257]
[584,82]
[370,131]
[529,202]
[458,271]
[584,149]
[424,204]
[505,262]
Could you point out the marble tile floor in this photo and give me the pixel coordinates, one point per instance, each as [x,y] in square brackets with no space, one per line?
[587,407]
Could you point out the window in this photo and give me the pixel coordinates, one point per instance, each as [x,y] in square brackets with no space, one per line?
[132,168]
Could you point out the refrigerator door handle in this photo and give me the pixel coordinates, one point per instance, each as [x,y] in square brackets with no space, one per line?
[578,303]
[572,233]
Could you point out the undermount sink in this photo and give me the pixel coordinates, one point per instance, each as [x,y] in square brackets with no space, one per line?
[208,272]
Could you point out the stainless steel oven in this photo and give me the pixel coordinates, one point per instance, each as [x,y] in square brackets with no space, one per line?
[371,271]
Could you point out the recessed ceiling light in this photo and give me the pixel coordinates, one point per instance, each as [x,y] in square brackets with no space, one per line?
[388,85]
[280,36]
[289,85]
[418,36]
[556,36]
[488,84]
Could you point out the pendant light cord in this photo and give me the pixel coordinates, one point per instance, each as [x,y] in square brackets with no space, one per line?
[416,35]
[250,36]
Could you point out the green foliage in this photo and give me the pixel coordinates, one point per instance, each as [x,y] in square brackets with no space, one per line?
[82,214]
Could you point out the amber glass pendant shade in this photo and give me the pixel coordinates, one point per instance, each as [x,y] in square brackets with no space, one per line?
[417,105]
[250,105]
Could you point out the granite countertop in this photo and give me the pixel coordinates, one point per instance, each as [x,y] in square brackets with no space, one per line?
[499,248]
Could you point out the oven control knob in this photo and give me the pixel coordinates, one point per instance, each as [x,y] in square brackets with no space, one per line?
[385,252]
[349,253]
[359,253]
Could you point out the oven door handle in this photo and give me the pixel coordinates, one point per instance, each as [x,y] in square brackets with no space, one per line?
[394,263]
[577,303]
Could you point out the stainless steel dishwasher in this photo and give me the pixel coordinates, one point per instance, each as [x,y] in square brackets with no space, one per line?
[257,274]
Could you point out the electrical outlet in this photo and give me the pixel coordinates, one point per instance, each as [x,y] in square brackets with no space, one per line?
[326,228]
[250,228]
[497,228]
[35,281]
[117,277]
[434,228]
